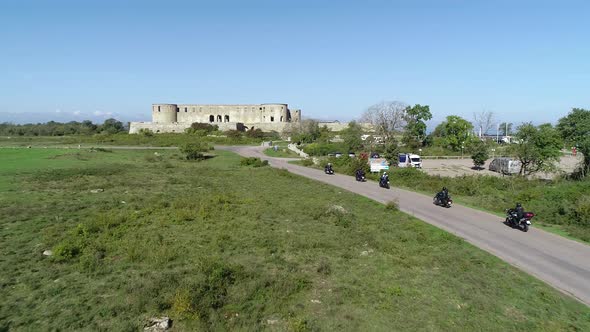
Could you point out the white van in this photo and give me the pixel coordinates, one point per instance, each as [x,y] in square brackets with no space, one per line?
[409,160]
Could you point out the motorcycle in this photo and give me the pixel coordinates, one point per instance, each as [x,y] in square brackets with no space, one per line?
[523,224]
[383,183]
[329,171]
[437,200]
[361,178]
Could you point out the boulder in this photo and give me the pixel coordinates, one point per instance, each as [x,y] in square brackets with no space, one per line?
[158,324]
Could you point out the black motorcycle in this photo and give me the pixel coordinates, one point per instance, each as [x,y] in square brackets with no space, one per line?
[444,202]
[360,177]
[383,183]
[329,171]
[513,221]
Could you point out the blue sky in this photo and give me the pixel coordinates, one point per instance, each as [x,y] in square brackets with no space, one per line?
[72,60]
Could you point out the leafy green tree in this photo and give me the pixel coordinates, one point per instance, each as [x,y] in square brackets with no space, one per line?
[415,130]
[480,153]
[575,129]
[352,136]
[537,148]
[455,131]
[391,151]
[505,128]
[112,126]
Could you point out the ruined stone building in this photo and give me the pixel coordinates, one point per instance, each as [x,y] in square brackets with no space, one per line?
[169,118]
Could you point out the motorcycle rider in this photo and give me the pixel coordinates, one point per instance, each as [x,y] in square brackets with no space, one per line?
[519,211]
[360,174]
[384,178]
[328,168]
[443,195]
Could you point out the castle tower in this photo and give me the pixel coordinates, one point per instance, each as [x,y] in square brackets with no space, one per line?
[164,113]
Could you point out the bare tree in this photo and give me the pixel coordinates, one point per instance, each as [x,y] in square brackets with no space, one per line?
[483,121]
[387,117]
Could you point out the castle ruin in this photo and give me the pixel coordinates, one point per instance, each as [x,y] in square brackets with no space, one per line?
[175,118]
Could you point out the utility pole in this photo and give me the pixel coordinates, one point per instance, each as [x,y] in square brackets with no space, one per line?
[498,133]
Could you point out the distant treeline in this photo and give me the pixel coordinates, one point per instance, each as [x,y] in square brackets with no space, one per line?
[52,128]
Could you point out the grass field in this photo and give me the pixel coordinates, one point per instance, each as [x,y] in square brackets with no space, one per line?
[218,246]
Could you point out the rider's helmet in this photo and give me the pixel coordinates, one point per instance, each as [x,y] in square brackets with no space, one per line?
[329,164]
[518,205]
[444,189]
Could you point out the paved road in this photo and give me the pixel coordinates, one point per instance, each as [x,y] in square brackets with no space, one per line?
[562,263]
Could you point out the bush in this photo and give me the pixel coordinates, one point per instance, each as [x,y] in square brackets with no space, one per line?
[358,163]
[253,161]
[234,134]
[208,128]
[194,151]
[255,133]
[392,205]
[146,132]
[307,162]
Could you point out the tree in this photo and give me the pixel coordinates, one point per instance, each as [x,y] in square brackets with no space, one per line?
[387,117]
[575,129]
[484,121]
[505,128]
[307,132]
[455,132]
[415,132]
[352,136]
[112,126]
[391,151]
[537,148]
[480,153]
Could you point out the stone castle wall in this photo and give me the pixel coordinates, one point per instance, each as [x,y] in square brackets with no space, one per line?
[167,118]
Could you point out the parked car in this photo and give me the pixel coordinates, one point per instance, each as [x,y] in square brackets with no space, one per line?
[505,165]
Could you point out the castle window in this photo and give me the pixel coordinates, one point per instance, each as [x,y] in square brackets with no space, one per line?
[227,118]
[218,118]
[211,118]
[185,110]
[260,109]
[272,119]
[158,108]
[281,118]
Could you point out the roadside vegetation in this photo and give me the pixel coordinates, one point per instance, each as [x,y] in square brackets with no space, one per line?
[562,203]
[218,244]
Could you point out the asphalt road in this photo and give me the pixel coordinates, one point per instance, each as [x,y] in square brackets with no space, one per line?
[562,263]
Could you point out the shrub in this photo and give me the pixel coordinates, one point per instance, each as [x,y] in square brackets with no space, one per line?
[234,134]
[358,163]
[392,205]
[145,132]
[255,133]
[582,211]
[194,151]
[253,161]
[307,162]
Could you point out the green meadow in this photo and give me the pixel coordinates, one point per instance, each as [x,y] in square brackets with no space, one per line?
[216,245]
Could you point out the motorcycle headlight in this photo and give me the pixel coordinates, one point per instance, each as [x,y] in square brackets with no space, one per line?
[528,222]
